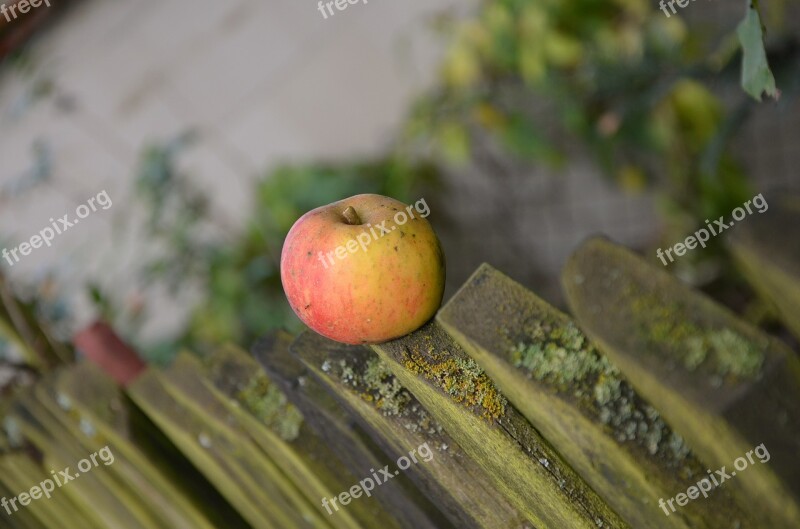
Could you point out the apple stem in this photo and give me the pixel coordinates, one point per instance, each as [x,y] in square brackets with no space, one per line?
[351,216]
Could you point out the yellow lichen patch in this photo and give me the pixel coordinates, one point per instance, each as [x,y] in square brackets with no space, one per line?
[463,380]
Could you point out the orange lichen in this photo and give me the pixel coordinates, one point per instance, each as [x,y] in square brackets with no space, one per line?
[462,379]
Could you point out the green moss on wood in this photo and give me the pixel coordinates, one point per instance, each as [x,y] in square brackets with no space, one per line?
[266,402]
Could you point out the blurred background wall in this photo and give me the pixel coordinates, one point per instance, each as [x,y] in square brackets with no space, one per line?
[261,83]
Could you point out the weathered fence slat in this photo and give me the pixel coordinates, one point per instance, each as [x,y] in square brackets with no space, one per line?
[183,381]
[20,473]
[722,384]
[523,466]
[767,249]
[98,406]
[272,424]
[94,492]
[365,386]
[581,403]
[21,519]
[353,447]
[212,449]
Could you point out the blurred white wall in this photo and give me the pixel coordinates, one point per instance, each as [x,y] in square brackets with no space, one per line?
[261,81]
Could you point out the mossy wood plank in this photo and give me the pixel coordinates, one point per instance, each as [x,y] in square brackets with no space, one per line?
[21,325]
[307,394]
[183,380]
[581,403]
[168,457]
[346,439]
[722,384]
[21,519]
[767,249]
[24,473]
[211,450]
[92,492]
[9,334]
[13,478]
[20,473]
[365,386]
[120,477]
[524,467]
[97,407]
[263,410]
[259,477]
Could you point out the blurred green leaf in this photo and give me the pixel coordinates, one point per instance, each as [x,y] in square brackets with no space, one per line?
[757,78]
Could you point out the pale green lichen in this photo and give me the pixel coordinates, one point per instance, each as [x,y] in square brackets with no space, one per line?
[389,395]
[374,382]
[722,352]
[607,389]
[559,354]
[735,354]
[728,352]
[269,405]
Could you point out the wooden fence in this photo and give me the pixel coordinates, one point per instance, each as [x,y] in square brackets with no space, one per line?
[534,418]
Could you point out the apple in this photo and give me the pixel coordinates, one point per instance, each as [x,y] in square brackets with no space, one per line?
[365,269]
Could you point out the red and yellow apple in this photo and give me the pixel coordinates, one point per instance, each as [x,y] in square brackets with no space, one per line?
[365,269]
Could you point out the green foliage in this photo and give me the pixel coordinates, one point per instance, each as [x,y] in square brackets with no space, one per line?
[264,400]
[627,82]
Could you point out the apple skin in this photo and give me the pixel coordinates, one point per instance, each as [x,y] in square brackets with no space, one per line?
[370,296]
